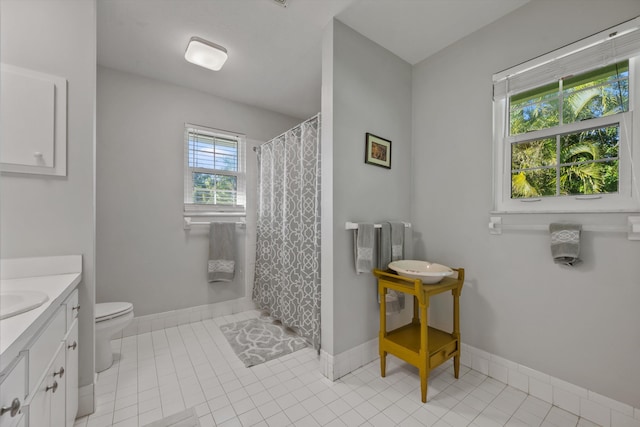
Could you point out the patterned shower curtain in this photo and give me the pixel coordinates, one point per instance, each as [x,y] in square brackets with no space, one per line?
[287,278]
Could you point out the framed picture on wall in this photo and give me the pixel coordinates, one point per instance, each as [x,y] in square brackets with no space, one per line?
[377,151]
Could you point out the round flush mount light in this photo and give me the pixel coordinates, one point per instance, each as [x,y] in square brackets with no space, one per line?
[205,54]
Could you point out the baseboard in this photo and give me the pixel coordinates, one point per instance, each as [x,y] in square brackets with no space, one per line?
[86,403]
[339,365]
[587,404]
[155,322]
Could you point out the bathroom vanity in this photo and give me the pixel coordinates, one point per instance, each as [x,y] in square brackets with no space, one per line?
[39,347]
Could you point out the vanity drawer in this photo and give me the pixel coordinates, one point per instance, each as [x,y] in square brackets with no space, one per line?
[72,307]
[12,388]
[40,351]
[443,354]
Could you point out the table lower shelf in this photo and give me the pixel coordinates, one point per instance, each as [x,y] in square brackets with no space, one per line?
[404,343]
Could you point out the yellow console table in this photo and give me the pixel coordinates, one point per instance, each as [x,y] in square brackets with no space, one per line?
[417,343]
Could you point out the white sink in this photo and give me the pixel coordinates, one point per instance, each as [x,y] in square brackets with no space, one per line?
[13,303]
[428,272]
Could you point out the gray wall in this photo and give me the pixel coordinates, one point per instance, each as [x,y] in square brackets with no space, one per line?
[371,92]
[144,255]
[41,215]
[582,324]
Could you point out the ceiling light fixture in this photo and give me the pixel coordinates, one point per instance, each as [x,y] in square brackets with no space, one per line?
[205,54]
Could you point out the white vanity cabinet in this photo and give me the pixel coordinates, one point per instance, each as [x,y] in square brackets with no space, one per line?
[71,360]
[45,377]
[12,393]
[53,401]
[46,408]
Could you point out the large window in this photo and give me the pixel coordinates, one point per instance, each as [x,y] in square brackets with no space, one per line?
[564,128]
[214,170]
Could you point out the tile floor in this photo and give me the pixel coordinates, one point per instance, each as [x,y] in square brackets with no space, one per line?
[192,365]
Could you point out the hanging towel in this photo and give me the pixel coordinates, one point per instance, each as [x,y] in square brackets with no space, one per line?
[397,252]
[394,299]
[397,241]
[222,249]
[565,243]
[363,248]
[392,249]
[385,246]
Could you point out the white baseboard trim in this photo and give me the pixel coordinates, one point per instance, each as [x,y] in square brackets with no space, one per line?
[86,403]
[155,322]
[334,367]
[587,404]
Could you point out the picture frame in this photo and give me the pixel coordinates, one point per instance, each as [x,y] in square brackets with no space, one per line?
[377,151]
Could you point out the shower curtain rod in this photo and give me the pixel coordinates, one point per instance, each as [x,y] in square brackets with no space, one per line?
[298,125]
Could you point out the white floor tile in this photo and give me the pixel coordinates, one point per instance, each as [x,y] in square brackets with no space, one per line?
[527,418]
[277,420]
[223,414]
[207,421]
[323,415]
[561,418]
[164,371]
[269,409]
[250,418]
[123,414]
[150,416]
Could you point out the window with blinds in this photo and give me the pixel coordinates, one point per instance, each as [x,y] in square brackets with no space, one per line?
[214,170]
[564,127]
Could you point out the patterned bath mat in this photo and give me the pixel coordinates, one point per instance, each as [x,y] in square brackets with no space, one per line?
[186,418]
[256,341]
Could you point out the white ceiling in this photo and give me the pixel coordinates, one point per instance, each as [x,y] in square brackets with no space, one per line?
[274,52]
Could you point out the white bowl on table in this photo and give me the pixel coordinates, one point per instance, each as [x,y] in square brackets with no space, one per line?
[428,272]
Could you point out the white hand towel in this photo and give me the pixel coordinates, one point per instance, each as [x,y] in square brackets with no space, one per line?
[565,243]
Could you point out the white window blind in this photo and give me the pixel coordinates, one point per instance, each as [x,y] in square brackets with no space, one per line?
[605,48]
[214,176]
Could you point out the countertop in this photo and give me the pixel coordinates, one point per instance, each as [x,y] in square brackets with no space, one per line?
[17,331]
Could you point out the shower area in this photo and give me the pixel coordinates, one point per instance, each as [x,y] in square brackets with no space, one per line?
[287,270]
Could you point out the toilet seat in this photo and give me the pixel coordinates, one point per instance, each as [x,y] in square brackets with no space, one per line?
[110,310]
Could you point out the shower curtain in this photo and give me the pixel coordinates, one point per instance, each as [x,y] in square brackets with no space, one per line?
[287,273]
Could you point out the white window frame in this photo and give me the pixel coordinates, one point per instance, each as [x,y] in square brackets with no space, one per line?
[627,199]
[240,174]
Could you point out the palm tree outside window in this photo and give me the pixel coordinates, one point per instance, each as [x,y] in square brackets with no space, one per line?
[557,148]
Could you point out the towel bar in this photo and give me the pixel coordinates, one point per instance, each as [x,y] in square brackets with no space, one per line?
[214,213]
[632,228]
[188,223]
[354,225]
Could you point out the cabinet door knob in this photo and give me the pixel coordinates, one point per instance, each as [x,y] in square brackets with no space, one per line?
[73,346]
[77,307]
[13,409]
[53,388]
[60,372]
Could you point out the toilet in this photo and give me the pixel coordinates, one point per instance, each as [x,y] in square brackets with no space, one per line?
[111,318]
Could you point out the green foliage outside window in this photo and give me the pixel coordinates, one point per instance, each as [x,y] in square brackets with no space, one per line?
[212,189]
[582,162]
